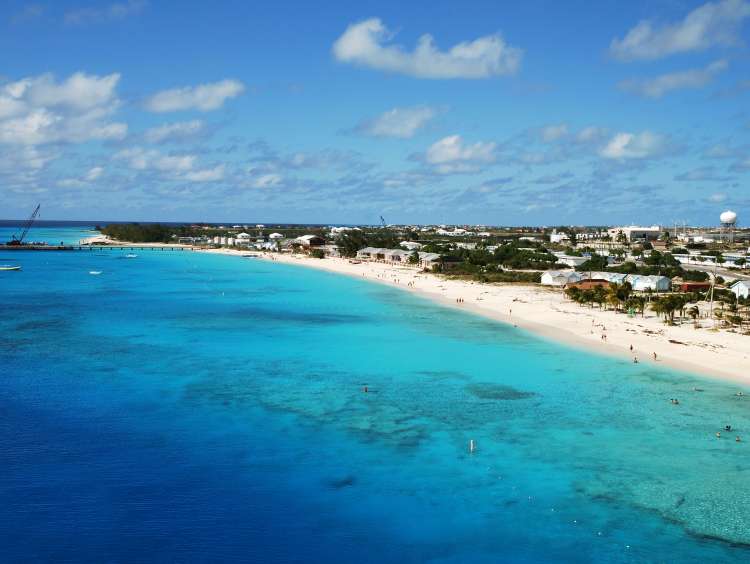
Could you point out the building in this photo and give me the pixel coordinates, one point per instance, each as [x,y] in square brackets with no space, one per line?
[556,237]
[589,284]
[693,286]
[636,233]
[275,236]
[570,260]
[741,288]
[398,256]
[310,241]
[643,283]
[609,277]
[560,277]
[410,245]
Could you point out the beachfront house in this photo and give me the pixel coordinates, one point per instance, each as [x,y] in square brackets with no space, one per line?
[643,283]
[741,288]
[398,256]
[560,277]
[310,241]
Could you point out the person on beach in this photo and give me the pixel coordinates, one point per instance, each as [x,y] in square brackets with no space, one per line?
[654,355]
[631,348]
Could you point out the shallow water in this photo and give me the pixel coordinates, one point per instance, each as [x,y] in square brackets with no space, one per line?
[188,407]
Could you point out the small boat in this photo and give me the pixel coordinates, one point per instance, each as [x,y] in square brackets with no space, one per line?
[131,255]
[95,272]
[9,267]
[250,256]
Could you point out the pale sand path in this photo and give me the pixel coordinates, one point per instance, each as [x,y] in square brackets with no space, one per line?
[719,354]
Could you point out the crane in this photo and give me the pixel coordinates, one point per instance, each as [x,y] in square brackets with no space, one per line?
[17,240]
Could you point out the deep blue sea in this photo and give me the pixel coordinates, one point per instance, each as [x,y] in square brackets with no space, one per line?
[184,407]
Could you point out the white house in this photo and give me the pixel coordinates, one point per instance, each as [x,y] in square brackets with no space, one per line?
[310,240]
[611,277]
[556,237]
[636,233]
[410,245]
[274,236]
[560,277]
[741,288]
[570,260]
[426,260]
[641,282]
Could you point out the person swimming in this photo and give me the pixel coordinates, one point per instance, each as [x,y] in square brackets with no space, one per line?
[727,427]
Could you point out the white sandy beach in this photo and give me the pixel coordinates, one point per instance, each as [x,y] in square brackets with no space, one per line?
[719,354]
[545,311]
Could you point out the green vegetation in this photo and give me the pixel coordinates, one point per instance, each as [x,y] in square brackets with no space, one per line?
[317,253]
[139,232]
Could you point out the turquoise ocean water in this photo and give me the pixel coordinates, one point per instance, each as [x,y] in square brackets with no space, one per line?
[183,407]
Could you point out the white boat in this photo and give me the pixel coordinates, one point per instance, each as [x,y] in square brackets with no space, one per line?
[95,272]
[9,267]
[131,255]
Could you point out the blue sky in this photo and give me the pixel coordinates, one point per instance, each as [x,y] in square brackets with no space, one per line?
[525,113]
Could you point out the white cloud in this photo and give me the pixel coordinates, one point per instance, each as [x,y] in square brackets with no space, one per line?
[658,86]
[180,131]
[402,123]
[177,167]
[452,155]
[114,11]
[363,44]
[267,181]
[206,175]
[712,24]
[552,133]
[642,145]
[39,110]
[94,173]
[204,97]
[80,182]
[140,159]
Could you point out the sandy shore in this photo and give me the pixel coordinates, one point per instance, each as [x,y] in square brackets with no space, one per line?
[719,354]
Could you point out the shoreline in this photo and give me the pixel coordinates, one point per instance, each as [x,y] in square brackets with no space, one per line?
[544,312]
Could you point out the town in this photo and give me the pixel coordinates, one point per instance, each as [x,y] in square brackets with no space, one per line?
[685,273]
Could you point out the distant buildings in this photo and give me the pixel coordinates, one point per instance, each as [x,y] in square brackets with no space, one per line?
[636,233]
[399,256]
[556,237]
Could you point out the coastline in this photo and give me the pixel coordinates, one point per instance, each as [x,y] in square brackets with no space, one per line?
[546,313]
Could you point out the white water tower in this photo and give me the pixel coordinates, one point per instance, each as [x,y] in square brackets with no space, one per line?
[728,221]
